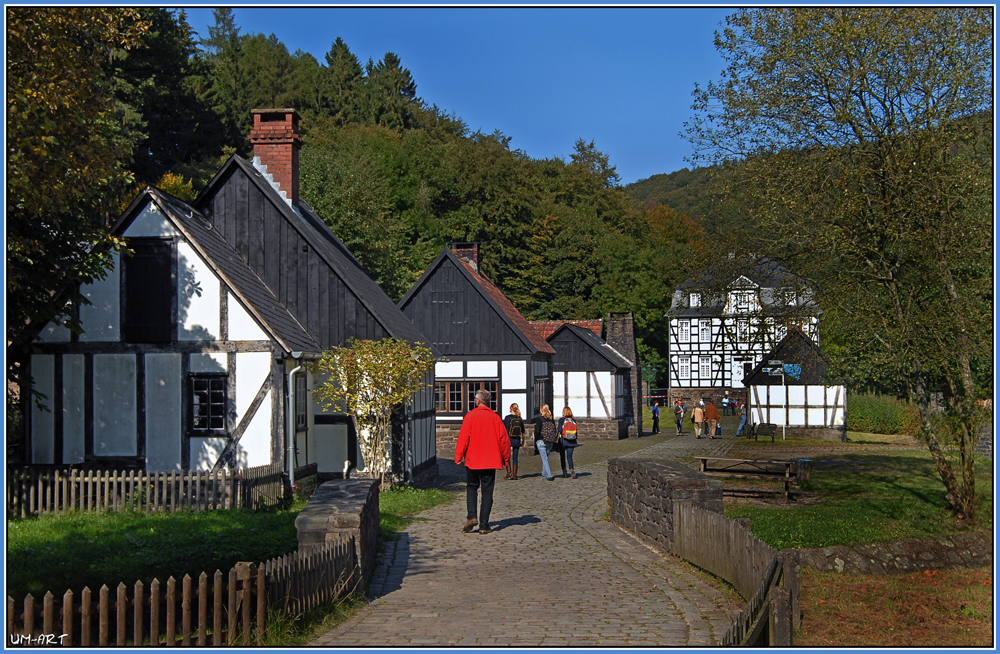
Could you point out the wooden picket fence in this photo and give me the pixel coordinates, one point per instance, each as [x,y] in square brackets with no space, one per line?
[30,491]
[221,610]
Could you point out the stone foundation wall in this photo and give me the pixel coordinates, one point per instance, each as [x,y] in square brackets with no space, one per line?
[641,494]
[967,550]
[596,429]
[339,508]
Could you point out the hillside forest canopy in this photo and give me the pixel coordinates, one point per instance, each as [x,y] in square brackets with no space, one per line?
[395,177]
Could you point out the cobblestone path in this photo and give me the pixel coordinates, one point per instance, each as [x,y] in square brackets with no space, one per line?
[554,573]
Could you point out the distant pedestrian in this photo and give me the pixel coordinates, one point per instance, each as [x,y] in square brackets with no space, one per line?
[698,416]
[656,418]
[485,448]
[567,441]
[515,432]
[679,416]
[725,405]
[713,417]
[546,437]
[743,418]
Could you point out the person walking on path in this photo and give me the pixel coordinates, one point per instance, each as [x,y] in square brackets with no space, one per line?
[485,447]
[656,418]
[546,437]
[698,417]
[713,417]
[515,432]
[679,416]
[725,405]
[743,418]
[567,441]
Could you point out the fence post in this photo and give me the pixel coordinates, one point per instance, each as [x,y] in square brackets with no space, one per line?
[138,604]
[792,580]
[154,613]
[779,618]
[67,619]
[85,616]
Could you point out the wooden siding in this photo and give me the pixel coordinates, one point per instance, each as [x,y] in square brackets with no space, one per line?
[293,271]
[457,319]
[574,354]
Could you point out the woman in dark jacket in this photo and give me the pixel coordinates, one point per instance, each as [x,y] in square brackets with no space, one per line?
[515,431]
[543,447]
[567,427]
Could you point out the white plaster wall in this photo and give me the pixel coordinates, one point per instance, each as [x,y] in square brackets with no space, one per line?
[514,374]
[74,388]
[100,318]
[301,455]
[481,368]
[206,451]
[796,394]
[331,447]
[603,379]
[198,316]
[776,415]
[448,369]
[242,327]
[53,333]
[42,421]
[815,395]
[775,394]
[506,399]
[151,222]
[210,362]
[163,412]
[796,416]
[114,405]
[577,391]
[255,446]
[816,416]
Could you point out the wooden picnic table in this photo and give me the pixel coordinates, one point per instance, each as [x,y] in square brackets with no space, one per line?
[751,469]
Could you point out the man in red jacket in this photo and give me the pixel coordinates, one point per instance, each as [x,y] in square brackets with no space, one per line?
[484,445]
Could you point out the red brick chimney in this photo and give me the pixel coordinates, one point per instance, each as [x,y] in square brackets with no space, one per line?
[467,251]
[276,143]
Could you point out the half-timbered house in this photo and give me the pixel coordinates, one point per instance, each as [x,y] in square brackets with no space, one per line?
[790,388]
[483,339]
[720,328]
[194,346]
[590,377]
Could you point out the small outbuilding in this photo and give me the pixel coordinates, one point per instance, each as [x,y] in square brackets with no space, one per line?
[789,388]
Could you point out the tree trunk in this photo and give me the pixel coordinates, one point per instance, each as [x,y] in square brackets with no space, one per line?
[954,495]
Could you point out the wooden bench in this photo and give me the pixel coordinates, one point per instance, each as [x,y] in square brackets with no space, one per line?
[764,429]
[785,469]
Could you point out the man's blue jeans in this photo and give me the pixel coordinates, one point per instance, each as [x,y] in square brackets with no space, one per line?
[743,422]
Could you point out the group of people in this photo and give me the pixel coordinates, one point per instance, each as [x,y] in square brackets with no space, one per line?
[486,443]
[705,417]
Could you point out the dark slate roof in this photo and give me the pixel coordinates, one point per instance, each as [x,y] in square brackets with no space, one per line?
[235,274]
[493,296]
[312,228]
[613,356]
[796,349]
[548,327]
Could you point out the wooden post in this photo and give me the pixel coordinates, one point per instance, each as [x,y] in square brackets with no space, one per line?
[48,611]
[202,609]
[233,599]
[245,582]
[171,610]
[261,603]
[792,580]
[154,613]
[102,616]
[67,619]
[138,604]
[85,616]
[186,611]
[779,618]
[217,609]
[29,614]
[122,613]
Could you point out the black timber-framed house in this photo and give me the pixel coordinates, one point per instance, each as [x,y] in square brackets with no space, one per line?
[194,347]
[483,340]
[722,324]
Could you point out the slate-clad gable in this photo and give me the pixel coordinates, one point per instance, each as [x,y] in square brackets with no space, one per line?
[578,348]
[797,349]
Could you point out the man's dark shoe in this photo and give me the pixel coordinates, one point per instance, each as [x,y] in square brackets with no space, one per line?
[469,526]
[549,478]
[486,530]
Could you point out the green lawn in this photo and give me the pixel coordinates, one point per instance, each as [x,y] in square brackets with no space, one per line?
[866,498]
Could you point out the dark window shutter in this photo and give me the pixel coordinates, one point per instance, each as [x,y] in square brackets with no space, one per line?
[147,314]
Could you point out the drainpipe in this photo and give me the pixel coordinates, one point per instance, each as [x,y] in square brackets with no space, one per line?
[290,420]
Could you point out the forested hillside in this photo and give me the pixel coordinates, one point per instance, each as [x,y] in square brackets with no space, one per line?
[684,190]
[396,178]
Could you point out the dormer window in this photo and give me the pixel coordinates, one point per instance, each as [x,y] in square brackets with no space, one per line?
[694,300]
[790,299]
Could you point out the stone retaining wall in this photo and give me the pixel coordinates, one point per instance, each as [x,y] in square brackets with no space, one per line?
[340,508]
[968,550]
[596,429]
[641,495]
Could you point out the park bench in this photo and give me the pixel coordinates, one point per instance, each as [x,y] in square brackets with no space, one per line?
[764,429]
[784,469]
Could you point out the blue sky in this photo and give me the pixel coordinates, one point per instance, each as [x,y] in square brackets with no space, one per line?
[621,77]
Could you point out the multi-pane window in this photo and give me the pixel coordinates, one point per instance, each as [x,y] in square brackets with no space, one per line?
[454,397]
[694,300]
[742,330]
[684,331]
[301,413]
[207,403]
[491,386]
[148,292]
[684,367]
[705,367]
[706,331]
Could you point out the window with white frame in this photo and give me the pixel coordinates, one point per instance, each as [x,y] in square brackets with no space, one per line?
[684,367]
[683,331]
[706,331]
[743,330]
[705,367]
[694,300]
[790,298]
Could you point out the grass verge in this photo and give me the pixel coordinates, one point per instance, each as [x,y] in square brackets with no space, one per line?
[858,499]
[400,504]
[952,608]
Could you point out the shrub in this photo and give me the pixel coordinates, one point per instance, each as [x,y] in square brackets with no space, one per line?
[881,414]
